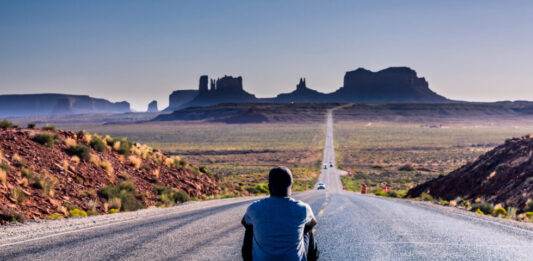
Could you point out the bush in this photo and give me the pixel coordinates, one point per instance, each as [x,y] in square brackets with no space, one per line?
[54,216]
[49,127]
[81,151]
[122,146]
[126,192]
[406,167]
[19,161]
[379,192]
[4,166]
[97,144]
[169,197]
[18,195]
[426,197]
[11,215]
[77,213]
[529,214]
[113,211]
[93,212]
[134,161]
[485,207]
[31,125]
[44,139]
[46,182]
[5,124]
[107,166]
[260,188]
[500,211]
[478,211]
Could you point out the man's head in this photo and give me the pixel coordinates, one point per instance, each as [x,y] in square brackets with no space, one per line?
[280,182]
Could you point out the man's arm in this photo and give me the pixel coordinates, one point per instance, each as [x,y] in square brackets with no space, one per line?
[247,244]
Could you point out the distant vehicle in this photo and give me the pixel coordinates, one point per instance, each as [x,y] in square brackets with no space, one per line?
[321,186]
[325,166]
[330,164]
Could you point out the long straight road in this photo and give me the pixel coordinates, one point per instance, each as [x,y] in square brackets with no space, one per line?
[350,226]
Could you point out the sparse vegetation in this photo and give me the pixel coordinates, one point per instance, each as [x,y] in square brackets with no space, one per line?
[260,188]
[5,124]
[485,207]
[169,197]
[3,176]
[97,144]
[54,216]
[77,213]
[46,182]
[44,139]
[49,127]
[80,151]
[107,166]
[126,192]
[113,211]
[18,195]
[31,125]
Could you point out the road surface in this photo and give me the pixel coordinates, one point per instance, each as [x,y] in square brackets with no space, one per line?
[350,226]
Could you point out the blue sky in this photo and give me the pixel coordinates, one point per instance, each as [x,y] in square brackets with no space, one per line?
[143,50]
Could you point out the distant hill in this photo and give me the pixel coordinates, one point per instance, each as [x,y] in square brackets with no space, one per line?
[179,98]
[503,175]
[51,103]
[400,112]
[302,94]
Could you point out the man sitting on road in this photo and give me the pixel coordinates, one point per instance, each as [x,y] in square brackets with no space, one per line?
[279,227]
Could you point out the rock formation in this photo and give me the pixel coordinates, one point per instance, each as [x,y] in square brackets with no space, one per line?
[392,85]
[43,104]
[152,106]
[302,94]
[179,98]
[223,90]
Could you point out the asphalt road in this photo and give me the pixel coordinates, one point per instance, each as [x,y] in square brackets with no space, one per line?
[350,226]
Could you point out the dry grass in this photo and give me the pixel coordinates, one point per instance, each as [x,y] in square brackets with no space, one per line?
[70,142]
[3,176]
[94,159]
[134,161]
[75,159]
[107,166]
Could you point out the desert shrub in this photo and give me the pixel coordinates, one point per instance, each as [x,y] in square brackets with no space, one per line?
[155,175]
[5,124]
[54,216]
[113,211]
[19,161]
[426,197]
[11,215]
[121,145]
[27,173]
[46,182]
[3,176]
[260,188]
[94,159]
[49,127]
[4,166]
[92,212]
[70,142]
[126,192]
[44,139]
[204,170]
[379,192]
[134,161]
[511,212]
[397,193]
[406,167]
[75,159]
[479,211]
[31,125]
[444,202]
[18,195]
[77,213]
[500,211]
[97,144]
[529,214]
[169,197]
[485,207]
[107,166]
[81,151]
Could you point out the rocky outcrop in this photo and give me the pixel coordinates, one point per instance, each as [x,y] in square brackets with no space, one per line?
[223,90]
[179,98]
[42,104]
[503,175]
[152,106]
[302,94]
[392,85]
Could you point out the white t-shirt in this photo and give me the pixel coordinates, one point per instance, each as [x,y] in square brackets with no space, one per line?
[278,225]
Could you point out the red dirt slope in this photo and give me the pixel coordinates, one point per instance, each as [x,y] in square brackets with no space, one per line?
[503,175]
[26,163]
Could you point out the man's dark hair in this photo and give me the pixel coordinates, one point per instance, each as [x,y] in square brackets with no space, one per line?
[280,181]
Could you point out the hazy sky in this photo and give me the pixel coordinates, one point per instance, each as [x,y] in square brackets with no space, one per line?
[143,50]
